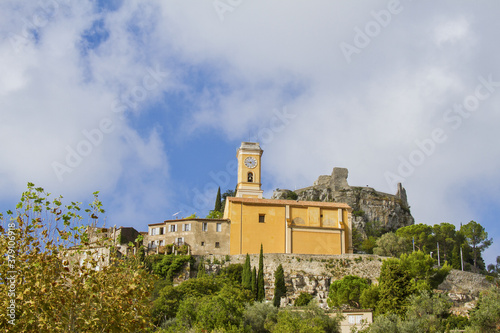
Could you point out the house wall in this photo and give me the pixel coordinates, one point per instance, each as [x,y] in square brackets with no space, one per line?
[201,242]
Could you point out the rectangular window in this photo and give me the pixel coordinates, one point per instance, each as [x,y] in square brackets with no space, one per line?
[161,230]
[186,227]
[217,245]
[204,226]
[173,227]
[262,218]
[180,240]
[202,243]
[355,319]
[161,243]
[218,227]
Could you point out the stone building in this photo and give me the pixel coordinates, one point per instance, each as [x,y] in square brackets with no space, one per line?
[202,236]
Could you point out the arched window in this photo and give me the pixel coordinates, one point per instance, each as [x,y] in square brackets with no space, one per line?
[250,177]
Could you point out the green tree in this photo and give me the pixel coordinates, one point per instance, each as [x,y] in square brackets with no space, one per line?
[218,202]
[420,267]
[254,283]
[260,277]
[246,277]
[225,195]
[485,317]
[445,235]
[279,286]
[428,311]
[395,285]
[201,269]
[347,291]
[214,214]
[422,234]
[477,237]
[259,315]
[220,311]
[370,297]
[391,245]
[310,320]
[61,284]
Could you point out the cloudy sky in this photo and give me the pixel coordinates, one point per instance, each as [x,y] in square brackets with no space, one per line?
[147,101]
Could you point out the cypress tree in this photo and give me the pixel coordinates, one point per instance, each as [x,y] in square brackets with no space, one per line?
[218,202]
[254,283]
[201,269]
[246,276]
[260,277]
[279,286]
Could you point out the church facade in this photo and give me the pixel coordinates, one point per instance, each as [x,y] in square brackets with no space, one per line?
[281,226]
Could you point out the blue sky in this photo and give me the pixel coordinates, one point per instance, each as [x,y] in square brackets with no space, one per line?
[148,101]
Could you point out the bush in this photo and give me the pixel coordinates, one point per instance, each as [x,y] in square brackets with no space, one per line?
[303,299]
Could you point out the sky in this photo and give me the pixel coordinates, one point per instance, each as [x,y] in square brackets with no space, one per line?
[147,102]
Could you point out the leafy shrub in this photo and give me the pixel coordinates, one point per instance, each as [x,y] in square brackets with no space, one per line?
[303,299]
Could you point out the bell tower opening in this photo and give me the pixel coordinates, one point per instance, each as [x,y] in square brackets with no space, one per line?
[249,170]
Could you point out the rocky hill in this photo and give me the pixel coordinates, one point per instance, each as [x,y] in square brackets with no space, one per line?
[381,210]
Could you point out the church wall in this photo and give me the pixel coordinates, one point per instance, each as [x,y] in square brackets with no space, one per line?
[270,233]
[313,242]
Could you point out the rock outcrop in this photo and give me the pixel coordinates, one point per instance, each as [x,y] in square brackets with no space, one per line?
[382,210]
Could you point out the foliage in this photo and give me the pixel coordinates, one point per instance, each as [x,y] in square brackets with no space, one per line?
[223,310]
[477,237]
[62,284]
[369,244]
[370,297]
[426,312]
[421,269]
[166,305]
[310,320]
[166,266]
[201,269]
[347,291]
[422,234]
[358,213]
[279,286]
[228,193]
[214,214]
[192,216]
[486,315]
[391,245]
[494,269]
[445,235]
[254,282]
[260,277]
[303,299]
[395,285]
[233,272]
[246,277]
[218,202]
[292,195]
[259,315]
[429,311]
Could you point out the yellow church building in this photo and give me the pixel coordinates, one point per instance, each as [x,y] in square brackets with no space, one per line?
[281,226]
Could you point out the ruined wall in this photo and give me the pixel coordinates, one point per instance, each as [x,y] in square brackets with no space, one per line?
[388,211]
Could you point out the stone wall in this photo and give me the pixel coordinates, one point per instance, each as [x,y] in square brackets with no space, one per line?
[314,273]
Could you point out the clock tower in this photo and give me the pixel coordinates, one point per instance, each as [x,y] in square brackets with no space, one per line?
[249,171]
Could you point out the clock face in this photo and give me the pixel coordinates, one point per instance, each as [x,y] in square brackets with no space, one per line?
[250,162]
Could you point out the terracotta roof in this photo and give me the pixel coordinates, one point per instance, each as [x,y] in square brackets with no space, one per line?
[293,203]
[189,220]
